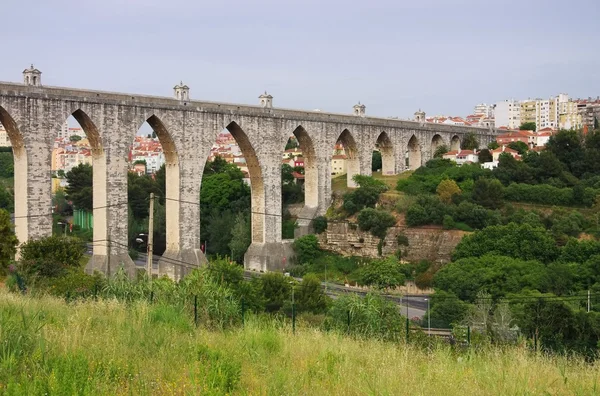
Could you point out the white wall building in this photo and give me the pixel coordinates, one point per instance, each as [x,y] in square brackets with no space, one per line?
[508,114]
[484,110]
[4,140]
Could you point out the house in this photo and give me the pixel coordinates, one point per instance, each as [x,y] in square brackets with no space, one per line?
[527,137]
[338,164]
[543,136]
[503,149]
[462,156]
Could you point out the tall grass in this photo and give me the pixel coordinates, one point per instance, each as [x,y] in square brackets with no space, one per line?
[106,347]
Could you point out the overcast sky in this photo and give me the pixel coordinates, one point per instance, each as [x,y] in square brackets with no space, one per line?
[394,56]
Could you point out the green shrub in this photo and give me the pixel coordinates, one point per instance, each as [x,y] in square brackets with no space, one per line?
[368,317]
[51,256]
[306,248]
[375,221]
[320,224]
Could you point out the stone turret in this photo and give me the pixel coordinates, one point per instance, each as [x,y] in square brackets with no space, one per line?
[420,116]
[359,110]
[32,76]
[181,91]
[266,100]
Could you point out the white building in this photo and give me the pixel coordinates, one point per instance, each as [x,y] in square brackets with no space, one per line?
[66,131]
[4,139]
[508,114]
[154,161]
[484,110]
[462,156]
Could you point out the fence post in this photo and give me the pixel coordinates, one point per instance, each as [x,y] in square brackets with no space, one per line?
[468,335]
[407,328]
[151,297]
[294,318]
[95,292]
[243,311]
[196,310]
[348,321]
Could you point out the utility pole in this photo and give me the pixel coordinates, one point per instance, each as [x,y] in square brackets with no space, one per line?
[150,236]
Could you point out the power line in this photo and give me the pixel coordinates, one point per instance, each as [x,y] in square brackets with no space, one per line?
[51,214]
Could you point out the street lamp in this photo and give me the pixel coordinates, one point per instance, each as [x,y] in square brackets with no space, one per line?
[428,318]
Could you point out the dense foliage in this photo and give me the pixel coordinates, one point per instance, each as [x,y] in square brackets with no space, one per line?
[365,196]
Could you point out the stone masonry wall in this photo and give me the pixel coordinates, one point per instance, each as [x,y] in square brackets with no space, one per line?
[423,243]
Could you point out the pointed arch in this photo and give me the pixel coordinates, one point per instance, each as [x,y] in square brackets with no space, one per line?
[455,143]
[414,153]
[172,184]
[386,147]
[99,184]
[350,150]
[20,175]
[311,185]
[257,187]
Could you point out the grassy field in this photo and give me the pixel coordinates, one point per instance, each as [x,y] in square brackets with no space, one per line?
[106,347]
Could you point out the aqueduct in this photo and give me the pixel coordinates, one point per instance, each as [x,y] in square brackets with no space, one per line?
[33,114]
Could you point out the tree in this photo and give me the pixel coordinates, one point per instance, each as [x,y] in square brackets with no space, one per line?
[375,221]
[286,174]
[276,290]
[376,161]
[60,203]
[306,248]
[447,189]
[446,309]
[528,126]
[470,142]
[6,199]
[79,188]
[320,224]
[8,241]
[485,156]
[51,256]
[488,193]
[291,143]
[519,146]
[74,138]
[382,274]
[7,165]
[499,275]
[366,195]
[310,296]
[493,146]
[520,241]
[440,151]
[596,123]
[240,237]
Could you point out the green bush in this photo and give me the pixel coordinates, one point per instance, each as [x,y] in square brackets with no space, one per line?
[371,317]
[51,256]
[375,221]
[382,274]
[365,196]
[320,224]
[306,248]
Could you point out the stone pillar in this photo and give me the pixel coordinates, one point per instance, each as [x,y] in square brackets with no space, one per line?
[118,130]
[267,252]
[38,183]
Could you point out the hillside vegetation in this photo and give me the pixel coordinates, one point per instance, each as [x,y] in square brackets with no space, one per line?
[112,348]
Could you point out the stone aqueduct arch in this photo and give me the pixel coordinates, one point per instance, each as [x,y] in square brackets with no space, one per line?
[187,130]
